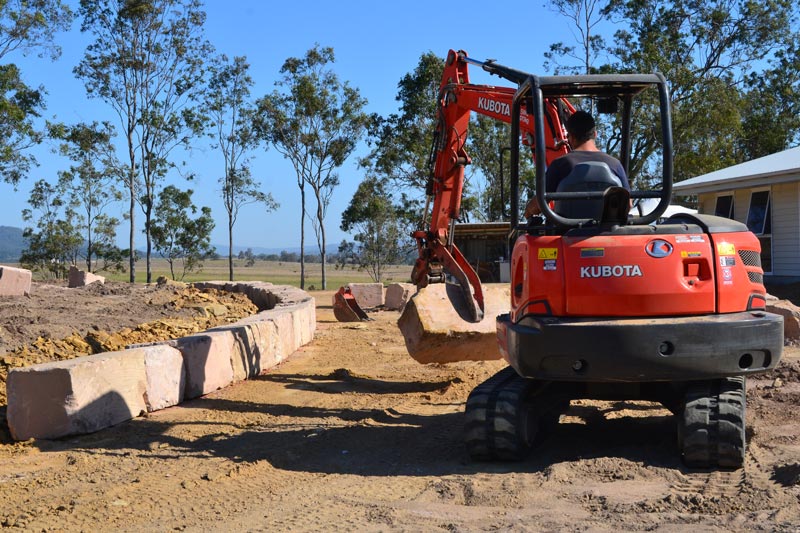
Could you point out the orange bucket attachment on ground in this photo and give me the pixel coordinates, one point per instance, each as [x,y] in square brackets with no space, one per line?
[345,307]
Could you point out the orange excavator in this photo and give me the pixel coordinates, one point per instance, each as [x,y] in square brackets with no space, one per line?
[604,305]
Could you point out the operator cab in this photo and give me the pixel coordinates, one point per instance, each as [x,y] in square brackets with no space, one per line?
[590,197]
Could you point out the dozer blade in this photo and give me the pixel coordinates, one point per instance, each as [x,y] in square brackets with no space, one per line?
[345,307]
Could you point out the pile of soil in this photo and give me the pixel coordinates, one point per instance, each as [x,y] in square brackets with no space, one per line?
[56,322]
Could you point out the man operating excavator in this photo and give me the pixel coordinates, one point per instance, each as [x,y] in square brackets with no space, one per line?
[581,135]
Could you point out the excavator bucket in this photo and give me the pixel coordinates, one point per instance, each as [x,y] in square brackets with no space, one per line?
[345,307]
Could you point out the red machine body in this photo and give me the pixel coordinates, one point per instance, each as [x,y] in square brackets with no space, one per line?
[639,275]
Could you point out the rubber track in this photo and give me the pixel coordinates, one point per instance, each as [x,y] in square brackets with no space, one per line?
[491,418]
[507,414]
[711,429]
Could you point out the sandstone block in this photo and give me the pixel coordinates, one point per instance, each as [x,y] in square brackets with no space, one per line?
[166,376]
[80,278]
[81,395]
[398,294]
[261,295]
[242,358]
[287,339]
[14,281]
[368,295]
[266,342]
[305,321]
[435,328]
[791,317]
[207,359]
[253,349]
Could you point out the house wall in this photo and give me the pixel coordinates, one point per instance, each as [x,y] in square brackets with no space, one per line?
[786,229]
[785,199]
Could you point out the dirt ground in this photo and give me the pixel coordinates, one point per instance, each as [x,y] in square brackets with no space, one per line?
[351,434]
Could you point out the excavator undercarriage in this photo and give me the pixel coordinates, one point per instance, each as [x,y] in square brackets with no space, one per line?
[508,415]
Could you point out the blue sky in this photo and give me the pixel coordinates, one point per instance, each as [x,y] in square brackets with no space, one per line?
[375,43]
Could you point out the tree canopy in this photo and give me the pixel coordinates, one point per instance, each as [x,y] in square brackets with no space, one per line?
[147,63]
[231,116]
[733,67]
[180,239]
[25,27]
[377,227]
[315,121]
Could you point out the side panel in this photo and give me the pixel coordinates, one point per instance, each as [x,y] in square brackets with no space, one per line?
[537,277]
[740,279]
[786,229]
[636,275]
[639,275]
[613,275]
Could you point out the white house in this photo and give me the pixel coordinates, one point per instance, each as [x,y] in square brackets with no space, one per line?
[764,194]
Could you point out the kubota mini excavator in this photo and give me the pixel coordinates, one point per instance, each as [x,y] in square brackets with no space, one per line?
[604,305]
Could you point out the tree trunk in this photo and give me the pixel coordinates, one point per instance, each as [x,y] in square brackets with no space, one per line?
[89,248]
[302,237]
[132,244]
[148,219]
[322,248]
[230,248]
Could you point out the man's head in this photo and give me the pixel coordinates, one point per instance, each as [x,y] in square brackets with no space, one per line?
[581,127]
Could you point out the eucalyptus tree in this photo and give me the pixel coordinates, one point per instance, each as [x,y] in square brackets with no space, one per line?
[26,27]
[53,240]
[231,113]
[89,187]
[146,62]
[401,143]
[376,225]
[710,51]
[732,66]
[179,238]
[314,120]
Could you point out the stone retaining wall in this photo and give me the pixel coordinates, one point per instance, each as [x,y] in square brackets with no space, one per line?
[90,393]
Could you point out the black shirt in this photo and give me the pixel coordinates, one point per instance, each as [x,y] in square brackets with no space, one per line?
[561,167]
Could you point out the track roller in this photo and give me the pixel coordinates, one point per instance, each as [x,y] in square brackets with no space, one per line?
[507,414]
[711,427]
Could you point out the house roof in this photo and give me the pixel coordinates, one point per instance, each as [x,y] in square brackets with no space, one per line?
[776,168]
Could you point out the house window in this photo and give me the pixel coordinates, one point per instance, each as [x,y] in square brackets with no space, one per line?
[759,221]
[724,206]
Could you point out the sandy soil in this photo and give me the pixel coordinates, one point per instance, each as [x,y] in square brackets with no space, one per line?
[351,434]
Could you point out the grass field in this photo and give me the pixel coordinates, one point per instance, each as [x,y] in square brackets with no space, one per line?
[281,273]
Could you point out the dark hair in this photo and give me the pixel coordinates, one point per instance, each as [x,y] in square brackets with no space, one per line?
[581,126]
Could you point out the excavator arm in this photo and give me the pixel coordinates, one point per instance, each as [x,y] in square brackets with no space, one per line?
[458,99]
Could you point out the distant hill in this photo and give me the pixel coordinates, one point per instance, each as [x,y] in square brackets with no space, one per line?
[11,244]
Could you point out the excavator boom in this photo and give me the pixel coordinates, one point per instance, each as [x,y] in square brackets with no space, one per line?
[458,99]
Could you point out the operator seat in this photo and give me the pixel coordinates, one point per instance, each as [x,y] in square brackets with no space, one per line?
[584,177]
